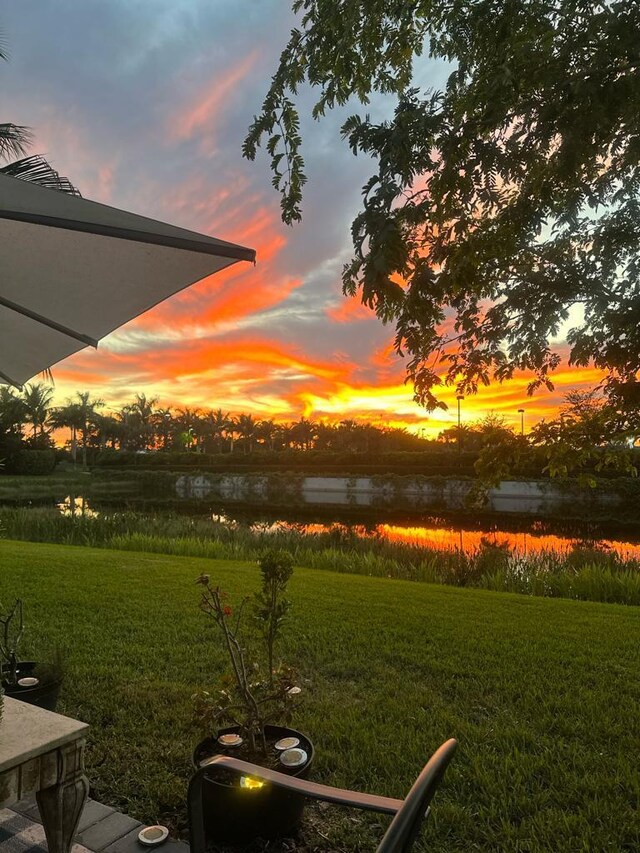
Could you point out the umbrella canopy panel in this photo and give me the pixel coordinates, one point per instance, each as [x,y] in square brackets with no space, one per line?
[72,271]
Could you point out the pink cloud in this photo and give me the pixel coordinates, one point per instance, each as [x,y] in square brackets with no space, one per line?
[198,117]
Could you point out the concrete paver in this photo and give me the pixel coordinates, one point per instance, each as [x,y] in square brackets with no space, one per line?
[102,829]
[103,833]
[93,812]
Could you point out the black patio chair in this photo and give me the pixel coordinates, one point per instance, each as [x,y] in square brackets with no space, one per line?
[402,831]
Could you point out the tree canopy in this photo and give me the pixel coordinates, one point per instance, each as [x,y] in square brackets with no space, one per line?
[499,203]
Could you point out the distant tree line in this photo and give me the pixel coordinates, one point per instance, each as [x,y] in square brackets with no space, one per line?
[28,420]
[578,440]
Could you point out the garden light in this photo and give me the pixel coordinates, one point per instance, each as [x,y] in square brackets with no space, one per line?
[249,783]
[287,743]
[293,757]
[151,836]
[230,740]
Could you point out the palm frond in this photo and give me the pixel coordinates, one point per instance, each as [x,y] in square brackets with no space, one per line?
[38,171]
[14,139]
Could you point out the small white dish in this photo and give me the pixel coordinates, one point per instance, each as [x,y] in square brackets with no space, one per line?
[28,681]
[151,836]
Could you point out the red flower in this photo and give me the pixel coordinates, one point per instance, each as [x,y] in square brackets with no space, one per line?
[227,610]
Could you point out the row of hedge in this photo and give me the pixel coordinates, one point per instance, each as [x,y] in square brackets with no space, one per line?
[444,461]
[303,462]
[35,462]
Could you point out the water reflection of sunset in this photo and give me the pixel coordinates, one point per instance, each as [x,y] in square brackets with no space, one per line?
[470,540]
[438,535]
[448,539]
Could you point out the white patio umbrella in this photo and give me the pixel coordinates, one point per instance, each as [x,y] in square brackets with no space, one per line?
[73,270]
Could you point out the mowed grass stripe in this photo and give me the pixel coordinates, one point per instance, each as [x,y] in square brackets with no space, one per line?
[542,694]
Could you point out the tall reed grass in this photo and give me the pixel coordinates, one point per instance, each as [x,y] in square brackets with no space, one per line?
[588,572]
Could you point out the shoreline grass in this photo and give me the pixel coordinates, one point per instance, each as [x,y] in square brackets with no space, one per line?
[588,572]
[542,694]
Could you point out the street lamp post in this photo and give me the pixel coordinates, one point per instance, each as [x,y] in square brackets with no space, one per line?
[521,413]
[167,424]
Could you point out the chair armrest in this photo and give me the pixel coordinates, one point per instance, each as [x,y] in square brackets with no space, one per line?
[326,793]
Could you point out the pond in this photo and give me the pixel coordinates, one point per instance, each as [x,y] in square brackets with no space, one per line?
[525,536]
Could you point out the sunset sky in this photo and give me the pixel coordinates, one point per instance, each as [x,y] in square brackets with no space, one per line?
[144,106]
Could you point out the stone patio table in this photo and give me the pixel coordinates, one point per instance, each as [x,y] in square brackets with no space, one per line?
[42,753]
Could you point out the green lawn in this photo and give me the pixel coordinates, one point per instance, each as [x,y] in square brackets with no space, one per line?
[542,694]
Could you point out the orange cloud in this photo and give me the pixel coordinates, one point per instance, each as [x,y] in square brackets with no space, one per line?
[385,357]
[76,376]
[248,298]
[272,379]
[392,403]
[349,310]
[195,357]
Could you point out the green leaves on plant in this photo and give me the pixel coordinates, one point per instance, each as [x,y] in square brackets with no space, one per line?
[249,696]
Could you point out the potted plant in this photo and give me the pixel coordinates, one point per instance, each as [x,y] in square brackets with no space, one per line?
[249,713]
[32,682]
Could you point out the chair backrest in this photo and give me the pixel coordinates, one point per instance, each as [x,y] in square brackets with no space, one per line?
[404,827]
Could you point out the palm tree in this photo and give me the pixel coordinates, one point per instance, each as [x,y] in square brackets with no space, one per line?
[371,438]
[304,433]
[286,434]
[142,411]
[325,436]
[267,431]
[347,434]
[216,424]
[109,429]
[71,417]
[230,432]
[162,420]
[247,430]
[188,421]
[14,142]
[37,399]
[123,416]
[87,411]
[12,417]
[13,412]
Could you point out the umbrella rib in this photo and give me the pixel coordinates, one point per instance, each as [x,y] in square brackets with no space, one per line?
[222,249]
[58,327]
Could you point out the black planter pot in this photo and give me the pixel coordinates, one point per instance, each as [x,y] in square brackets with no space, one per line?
[237,815]
[44,694]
